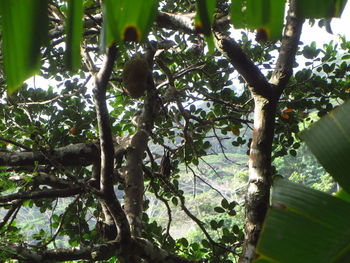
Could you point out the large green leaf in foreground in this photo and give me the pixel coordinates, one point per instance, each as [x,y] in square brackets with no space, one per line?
[129,20]
[74,31]
[329,141]
[205,15]
[320,9]
[24,30]
[304,226]
[265,15]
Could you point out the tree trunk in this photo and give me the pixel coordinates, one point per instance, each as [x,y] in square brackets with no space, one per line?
[258,192]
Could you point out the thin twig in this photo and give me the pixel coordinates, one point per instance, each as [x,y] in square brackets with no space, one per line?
[58,229]
[16,144]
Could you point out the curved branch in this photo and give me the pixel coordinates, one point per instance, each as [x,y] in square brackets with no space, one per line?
[242,63]
[108,196]
[42,178]
[59,227]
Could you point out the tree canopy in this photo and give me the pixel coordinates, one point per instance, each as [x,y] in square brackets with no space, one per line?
[131,97]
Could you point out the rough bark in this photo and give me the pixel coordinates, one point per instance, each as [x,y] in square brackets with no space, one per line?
[133,172]
[286,58]
[134,184]
[259,184]
[266,95]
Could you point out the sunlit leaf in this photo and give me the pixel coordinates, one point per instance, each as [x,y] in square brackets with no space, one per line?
[237,13]
[265,15]
[129,20]
[329,140]
[343,195]
[24,27]
[313,8]
[304,225]
[74,31]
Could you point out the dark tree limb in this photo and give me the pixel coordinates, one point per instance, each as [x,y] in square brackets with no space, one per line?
[180,22]
[42,178]
[104,126]
[108,197]
[48,193]
[74,154]
[11,212]
[139,247]
[244,65]
[15,143]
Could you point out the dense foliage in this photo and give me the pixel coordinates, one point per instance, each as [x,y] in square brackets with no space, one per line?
[198,111]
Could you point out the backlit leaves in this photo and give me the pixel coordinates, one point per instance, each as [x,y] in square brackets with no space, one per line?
[304,225]
[129,20]
[24,26]
[329,140]
[74,30]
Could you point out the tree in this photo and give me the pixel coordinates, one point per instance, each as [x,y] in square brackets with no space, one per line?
[60,144]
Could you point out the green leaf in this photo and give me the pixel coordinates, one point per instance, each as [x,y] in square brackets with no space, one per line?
[205,15]
[74,31]
[224,203]
[175,201]
[313,8]
[128,20]
[266,16]
[343,195]
[206,243]
[24,27]
[237,14]
[213,224]
[345,57]
[304,225]
[232,213]
[329,140]
[183,241]
[219,209]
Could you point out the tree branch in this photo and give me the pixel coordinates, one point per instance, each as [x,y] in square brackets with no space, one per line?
[108,196]
[133,170]
[74,154]
[48,193]
[12,211]
[139,247]
[180,22]
[245,66]
[284,66]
